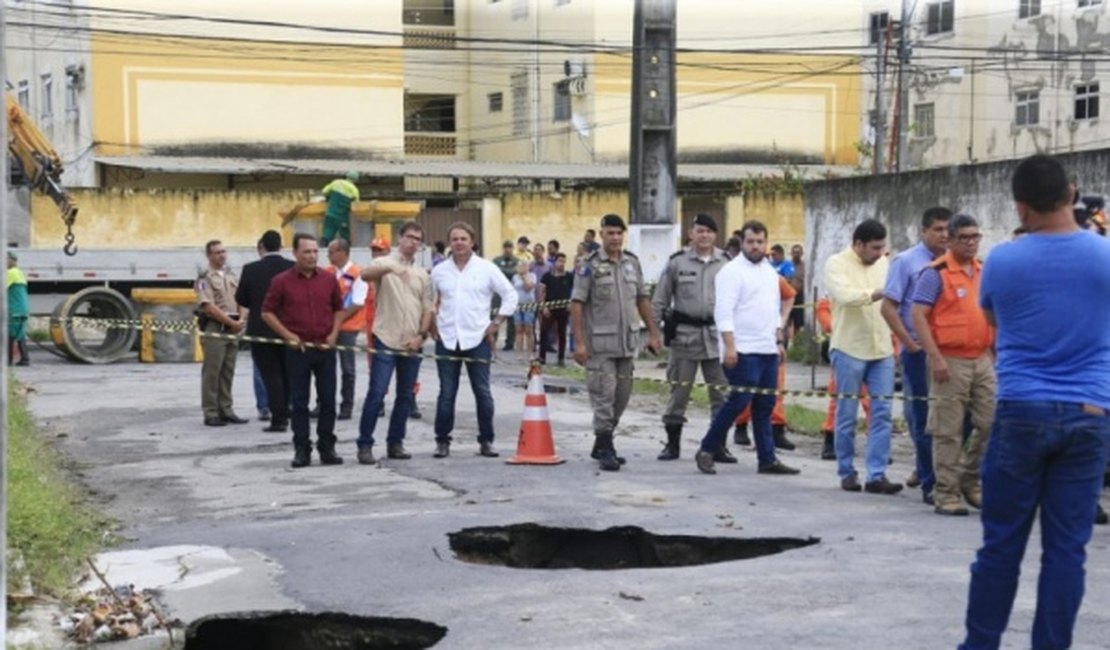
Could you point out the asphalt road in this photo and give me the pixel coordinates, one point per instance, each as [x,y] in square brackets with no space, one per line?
[373,540]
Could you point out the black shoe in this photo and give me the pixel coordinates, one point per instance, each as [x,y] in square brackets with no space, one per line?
[366,456]
[234,419]
[669,453]
[397,452]
[1100,516]
[301,458]
[443,450]
[23,362]
[883,486]
[608,461]
[329,457]
[927,499]
[723,455]
[215,422]
[274,428]
[596,454]
[828,450]
[704,461]
[740,435]
[263,415]
[850,484]
[486,449]
[344,414]
[674,442]
[778,468]
[779,432]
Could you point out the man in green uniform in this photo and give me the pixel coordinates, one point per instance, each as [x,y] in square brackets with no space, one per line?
[18,311]
[219,314]
[340,194]
[609,290]
[684,298]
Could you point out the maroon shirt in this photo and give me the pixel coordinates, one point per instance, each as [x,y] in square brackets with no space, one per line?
[306,305]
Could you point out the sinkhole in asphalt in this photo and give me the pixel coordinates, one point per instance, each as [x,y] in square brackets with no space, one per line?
[532,546]
[291,630]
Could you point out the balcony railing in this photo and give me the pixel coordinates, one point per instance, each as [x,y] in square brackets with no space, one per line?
[430,144]
[436,38]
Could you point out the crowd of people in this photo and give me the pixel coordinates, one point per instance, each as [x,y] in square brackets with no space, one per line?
[1006,400]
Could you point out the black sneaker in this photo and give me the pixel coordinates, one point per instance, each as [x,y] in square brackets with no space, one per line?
[882,486]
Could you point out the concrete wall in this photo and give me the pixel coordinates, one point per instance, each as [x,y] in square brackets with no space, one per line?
[834,208]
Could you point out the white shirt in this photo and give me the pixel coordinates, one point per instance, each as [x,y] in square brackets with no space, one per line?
[748,304]
[357,295]
[464,298]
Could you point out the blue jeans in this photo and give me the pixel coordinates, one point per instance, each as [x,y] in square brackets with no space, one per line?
[1049,455]
[301,368]
[449,371]
[851,374]
[381,371]
[261,399]
[915,383]
[759,370]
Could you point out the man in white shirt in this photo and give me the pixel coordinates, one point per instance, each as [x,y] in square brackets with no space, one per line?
[749,313]
[464,286]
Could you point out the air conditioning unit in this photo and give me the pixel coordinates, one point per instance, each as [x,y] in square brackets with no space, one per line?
[577,86]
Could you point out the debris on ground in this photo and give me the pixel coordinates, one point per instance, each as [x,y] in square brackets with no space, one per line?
[112,615]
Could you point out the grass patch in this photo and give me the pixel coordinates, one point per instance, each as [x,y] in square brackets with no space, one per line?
[39,335]
[804,420]
[48,520]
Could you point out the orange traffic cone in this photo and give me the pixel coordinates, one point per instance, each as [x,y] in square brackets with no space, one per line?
[535,446]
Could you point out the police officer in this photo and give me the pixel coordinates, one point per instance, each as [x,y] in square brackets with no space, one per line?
[218,313]
[684,298]
[609,291]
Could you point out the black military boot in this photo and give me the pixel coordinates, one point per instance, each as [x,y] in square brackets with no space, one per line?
[779,430]
[740,435]
[596,452]
[674,438]
[607,459]
[24,360]
[828,451]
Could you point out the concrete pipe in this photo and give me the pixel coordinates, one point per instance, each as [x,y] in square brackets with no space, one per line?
[88,343]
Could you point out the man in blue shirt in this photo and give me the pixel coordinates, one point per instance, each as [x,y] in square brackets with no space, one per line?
[782,266]
[1051,431]
[897,301]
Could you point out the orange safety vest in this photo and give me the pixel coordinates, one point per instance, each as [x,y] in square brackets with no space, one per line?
[357,322]
[957,323]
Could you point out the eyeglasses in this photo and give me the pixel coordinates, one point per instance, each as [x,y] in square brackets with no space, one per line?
[969,239]
[414,237]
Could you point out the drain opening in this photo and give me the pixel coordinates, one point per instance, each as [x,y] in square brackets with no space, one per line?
[306,631]
[532,546]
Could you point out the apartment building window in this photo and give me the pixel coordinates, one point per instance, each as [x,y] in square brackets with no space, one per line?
[1089,3]
[430,113]
[496,100]
[1086,101]
[519,83]
[46,102]
[940,17]
[880,20]
[924,121]
[1027,107]
[440,13]
[520,9]
[1029,8]
[562,101]
[23,95]
[71,93]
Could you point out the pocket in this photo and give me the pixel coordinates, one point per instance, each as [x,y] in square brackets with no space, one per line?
[952,334]
[604,287]
[1015,447]
[688,288]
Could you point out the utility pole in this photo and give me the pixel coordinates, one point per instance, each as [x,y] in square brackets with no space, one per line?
[905,50]
[653,167]
[880,116]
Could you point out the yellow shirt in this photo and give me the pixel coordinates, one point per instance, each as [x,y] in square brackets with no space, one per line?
[858,326]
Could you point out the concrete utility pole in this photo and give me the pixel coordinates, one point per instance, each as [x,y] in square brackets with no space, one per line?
[904,52]
[653,167]
[4,178]
[880,117]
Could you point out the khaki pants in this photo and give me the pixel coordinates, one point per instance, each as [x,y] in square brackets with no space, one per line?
[216,373]
[609,382]
[956,462]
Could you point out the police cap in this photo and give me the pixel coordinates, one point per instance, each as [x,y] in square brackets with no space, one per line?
[704,220]
[612,221]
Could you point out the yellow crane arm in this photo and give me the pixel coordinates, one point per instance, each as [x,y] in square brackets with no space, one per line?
[40,164]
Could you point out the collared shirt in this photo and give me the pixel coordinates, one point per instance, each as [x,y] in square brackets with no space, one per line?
[507,264]
[305,304]
[748,303]
[400,303]
[858,326]
[218,288]
[903,275]
[610,291]
[464,299]
[784,268]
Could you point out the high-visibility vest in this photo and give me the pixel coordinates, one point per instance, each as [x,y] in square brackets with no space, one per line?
[957,322]
[357,322]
